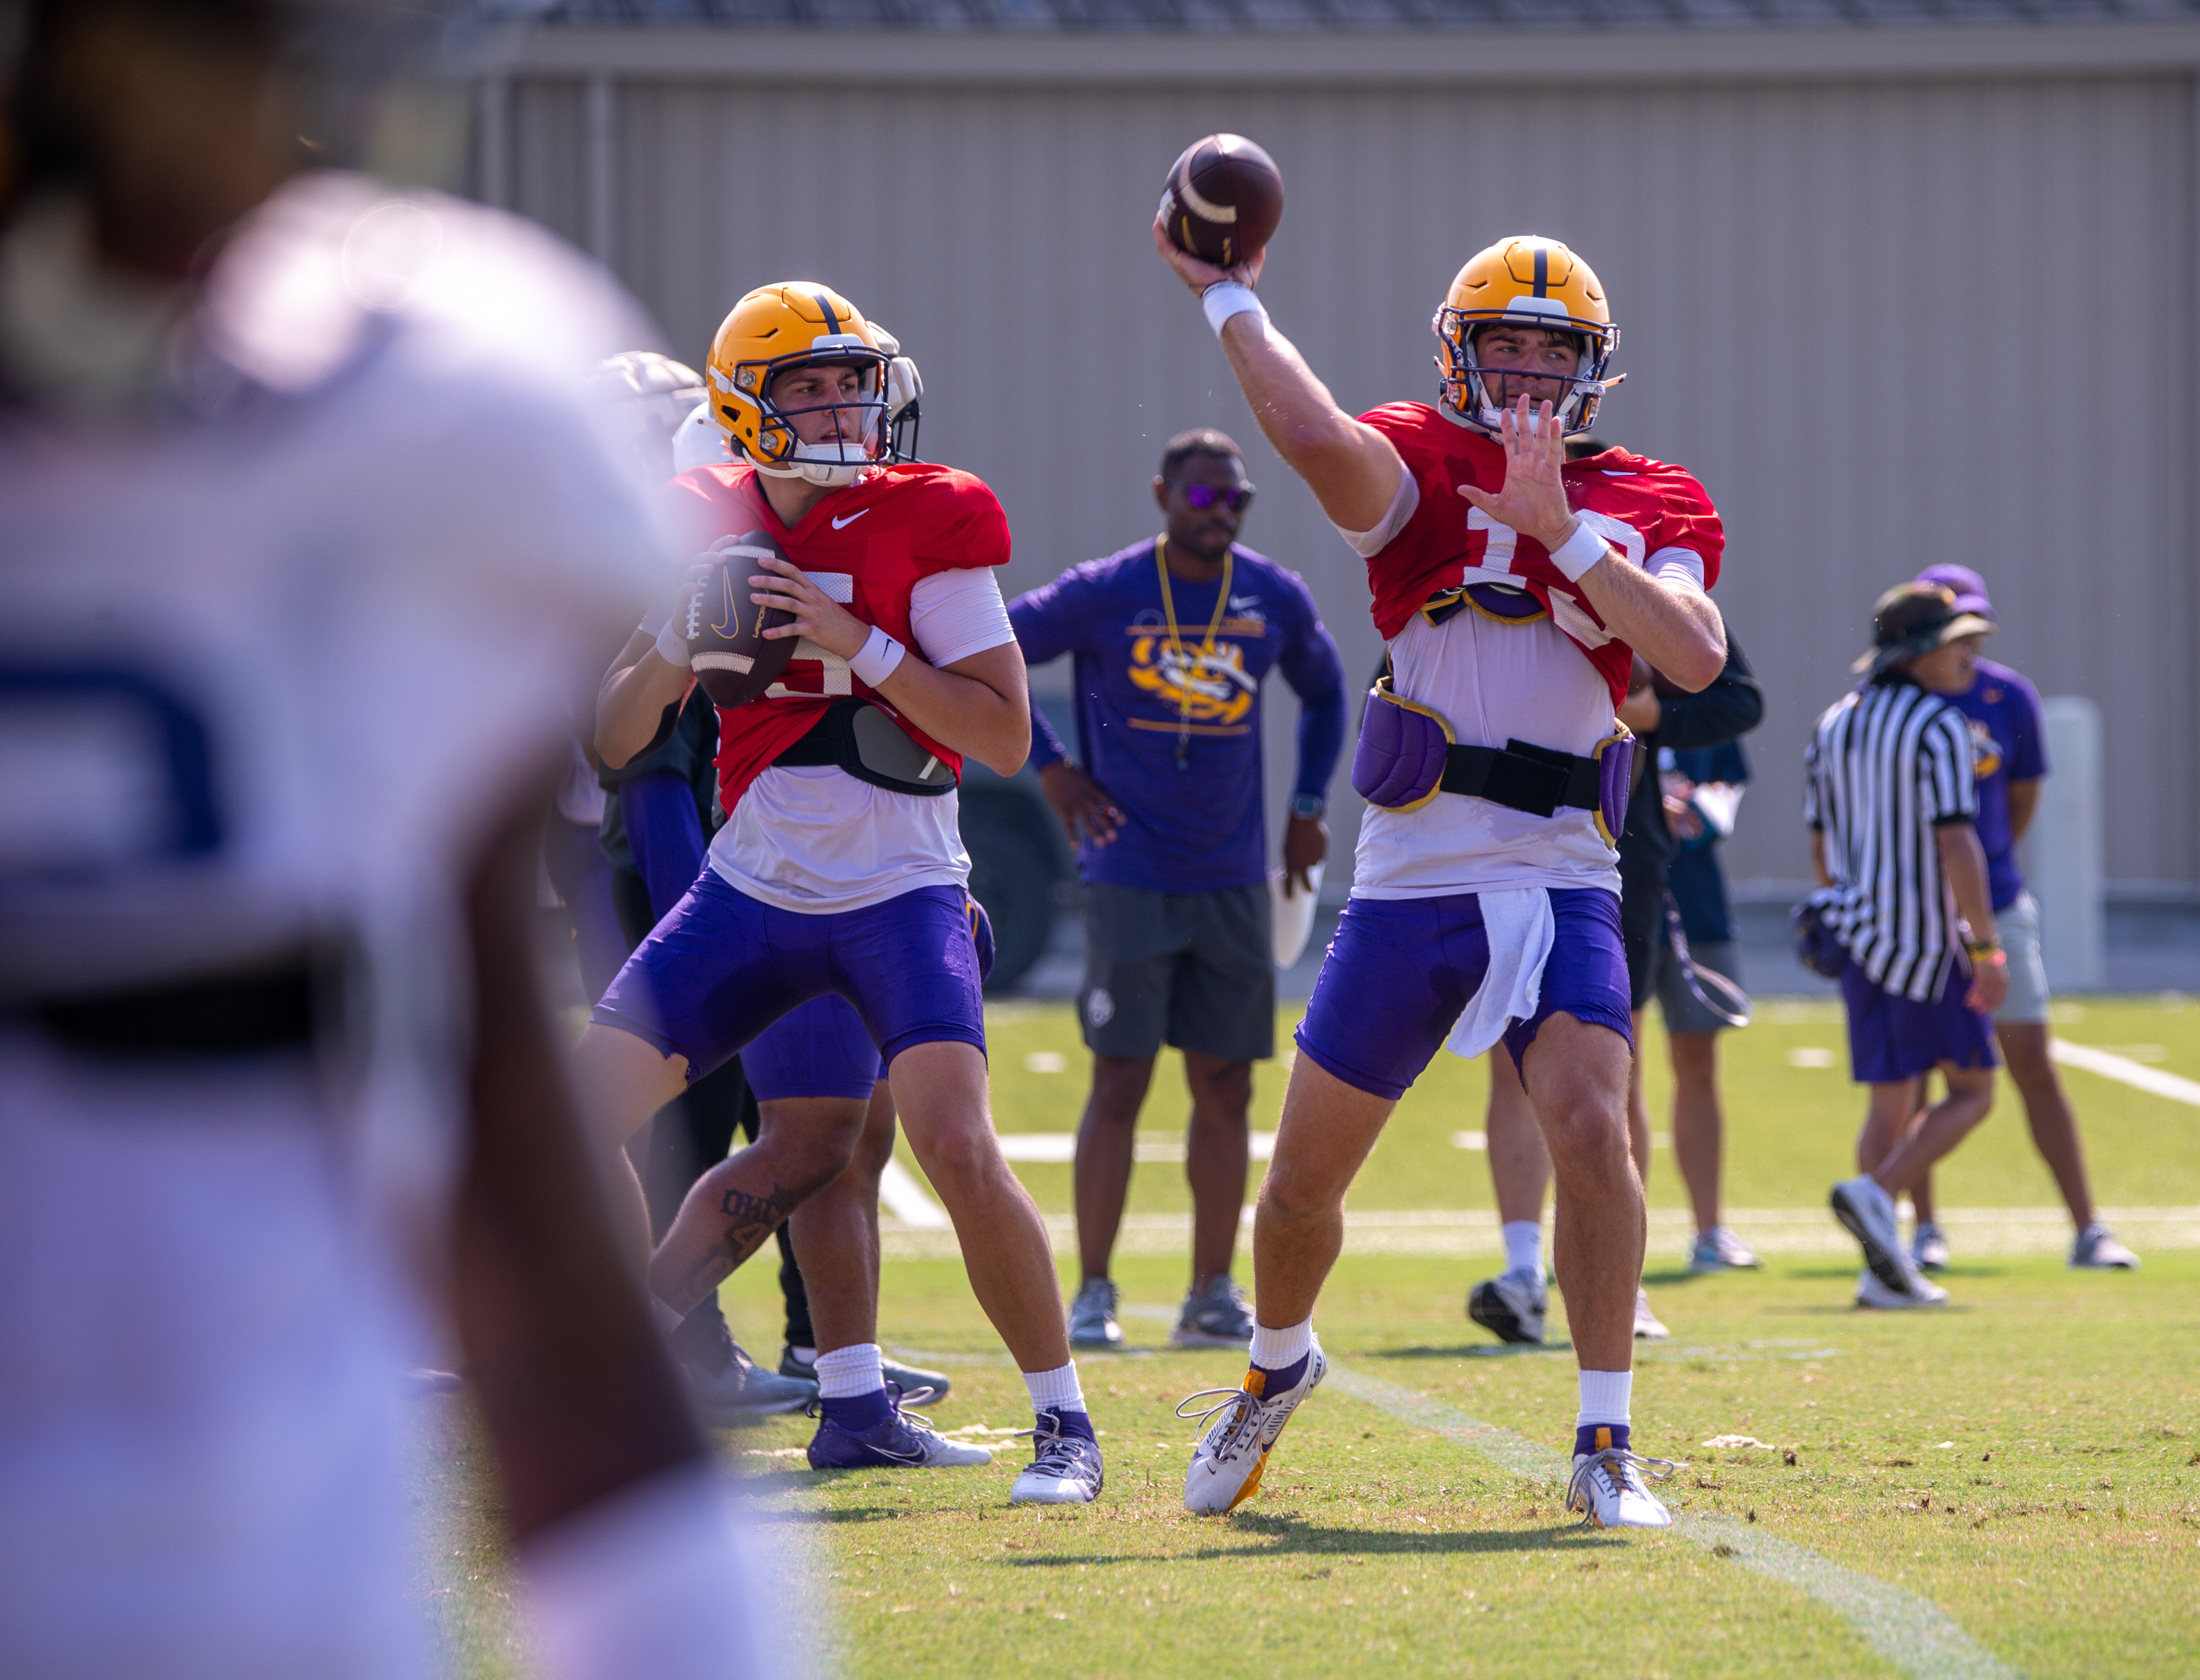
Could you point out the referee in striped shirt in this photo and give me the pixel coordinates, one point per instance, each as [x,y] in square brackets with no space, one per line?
[1903,887]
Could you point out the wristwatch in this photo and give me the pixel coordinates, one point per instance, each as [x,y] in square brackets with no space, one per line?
[1308,805]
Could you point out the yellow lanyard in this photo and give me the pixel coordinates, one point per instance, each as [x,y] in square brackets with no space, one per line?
[1176,642]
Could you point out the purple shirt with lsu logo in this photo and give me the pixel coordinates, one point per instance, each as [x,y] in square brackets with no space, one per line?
[2009,744]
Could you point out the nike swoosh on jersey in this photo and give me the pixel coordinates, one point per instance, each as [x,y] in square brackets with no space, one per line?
[851,519]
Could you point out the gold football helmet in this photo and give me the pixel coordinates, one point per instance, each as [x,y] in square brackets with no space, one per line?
[799,323]
[1524,281]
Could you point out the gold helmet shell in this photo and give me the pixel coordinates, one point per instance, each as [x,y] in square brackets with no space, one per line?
[798,323]
[1524,281]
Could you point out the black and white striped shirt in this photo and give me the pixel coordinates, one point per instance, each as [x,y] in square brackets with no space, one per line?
[1887,766]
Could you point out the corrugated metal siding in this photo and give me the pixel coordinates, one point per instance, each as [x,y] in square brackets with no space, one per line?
[1886,325]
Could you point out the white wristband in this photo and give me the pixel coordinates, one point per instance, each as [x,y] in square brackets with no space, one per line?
[877,659]
[672,647]
[1580,551]
[1226,298]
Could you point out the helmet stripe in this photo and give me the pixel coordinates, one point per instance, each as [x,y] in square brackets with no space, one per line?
[1542,271]
[832,321]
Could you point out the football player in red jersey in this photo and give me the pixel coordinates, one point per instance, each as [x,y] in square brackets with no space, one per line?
[839,869]
[1513,590]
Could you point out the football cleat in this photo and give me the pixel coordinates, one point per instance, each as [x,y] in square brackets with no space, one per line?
[1511,1307]
[1092,1325]
[1928,1247]
[2097,1250]
[1870,1292]
[1065,1469]
[901,1442]
[1867,1213]
[1608,1489]
[729,1386]
[1647,1327]
[1230,1457]
[1720,1250]
[1218,1317]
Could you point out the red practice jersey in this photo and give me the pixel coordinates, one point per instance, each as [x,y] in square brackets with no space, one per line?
[1644,509]
[865,546]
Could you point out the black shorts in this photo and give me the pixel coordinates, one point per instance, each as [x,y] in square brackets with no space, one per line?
[1196,971]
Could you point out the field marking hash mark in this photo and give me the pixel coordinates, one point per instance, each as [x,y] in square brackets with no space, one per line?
[1911,1632]
[2124,1070]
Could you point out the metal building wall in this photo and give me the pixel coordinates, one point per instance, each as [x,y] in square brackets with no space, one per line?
[1887,323]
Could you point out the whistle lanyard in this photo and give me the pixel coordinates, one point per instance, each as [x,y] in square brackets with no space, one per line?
[1176,643]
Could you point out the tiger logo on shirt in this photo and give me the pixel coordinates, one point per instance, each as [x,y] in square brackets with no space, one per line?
[1205,685]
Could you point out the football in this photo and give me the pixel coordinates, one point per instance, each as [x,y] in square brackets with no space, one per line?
[727,648]
[1223,200]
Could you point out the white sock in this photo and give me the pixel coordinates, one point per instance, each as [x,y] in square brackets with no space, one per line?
[1277,1350]
[1524,1246]
[1605,1396]
[847,1372]
[1051,1391]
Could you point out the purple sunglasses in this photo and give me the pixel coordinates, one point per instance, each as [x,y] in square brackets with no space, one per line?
[1237,498]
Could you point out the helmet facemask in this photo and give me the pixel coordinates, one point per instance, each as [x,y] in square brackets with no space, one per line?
[1469,392]
[778,450]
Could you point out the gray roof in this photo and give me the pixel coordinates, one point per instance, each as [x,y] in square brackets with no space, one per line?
[1300,16]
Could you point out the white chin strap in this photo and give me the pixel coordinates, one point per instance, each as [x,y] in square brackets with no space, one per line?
[832,475]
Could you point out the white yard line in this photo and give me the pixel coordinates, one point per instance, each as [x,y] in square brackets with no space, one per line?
[1060,1148]
[2125,1071]
[1915,1635]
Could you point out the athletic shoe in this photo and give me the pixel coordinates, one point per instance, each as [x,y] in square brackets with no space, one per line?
[1867,1213]
[1870,1292]
[2097,1250]
[1608,1490]
[901,1442]
[1092,1323]
[741,1389]
[918,1386]
[1064,1469]
[1228,1461]
[1217,1318]
[1928,1247]
[1647,1327]
[1720,1250]
[1511,1307]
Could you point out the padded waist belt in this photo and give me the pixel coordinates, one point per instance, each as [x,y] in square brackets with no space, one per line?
[1406,757]
[858,737]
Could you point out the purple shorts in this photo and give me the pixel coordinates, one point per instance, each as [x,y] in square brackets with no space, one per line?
[821,1050]
[1894,1038]
[722,967]
[1400,970]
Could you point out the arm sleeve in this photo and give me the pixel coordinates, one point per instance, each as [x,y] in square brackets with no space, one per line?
[1732,706]
[1691,528]
[957,614]
[1947,791]
[1316,674]
[1403,504]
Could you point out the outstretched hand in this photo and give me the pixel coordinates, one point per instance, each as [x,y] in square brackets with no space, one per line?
[1533,498]
[1195,272]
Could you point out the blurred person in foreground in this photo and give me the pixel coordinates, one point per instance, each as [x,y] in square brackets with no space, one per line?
[305,540]
[2009,746]
[1892,804]
[1173,638]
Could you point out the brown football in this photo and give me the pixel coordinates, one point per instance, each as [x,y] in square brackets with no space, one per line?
[1223,200]
[727,649]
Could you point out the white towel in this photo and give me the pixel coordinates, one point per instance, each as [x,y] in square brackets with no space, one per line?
[1521,932]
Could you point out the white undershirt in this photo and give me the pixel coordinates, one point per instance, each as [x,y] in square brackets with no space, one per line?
[1491,682]
[814,839]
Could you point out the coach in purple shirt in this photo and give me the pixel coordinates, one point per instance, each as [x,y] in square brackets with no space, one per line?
[1172,639]
[2009,755]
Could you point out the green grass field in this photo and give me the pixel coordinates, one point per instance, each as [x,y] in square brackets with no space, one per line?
[2027,1461]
